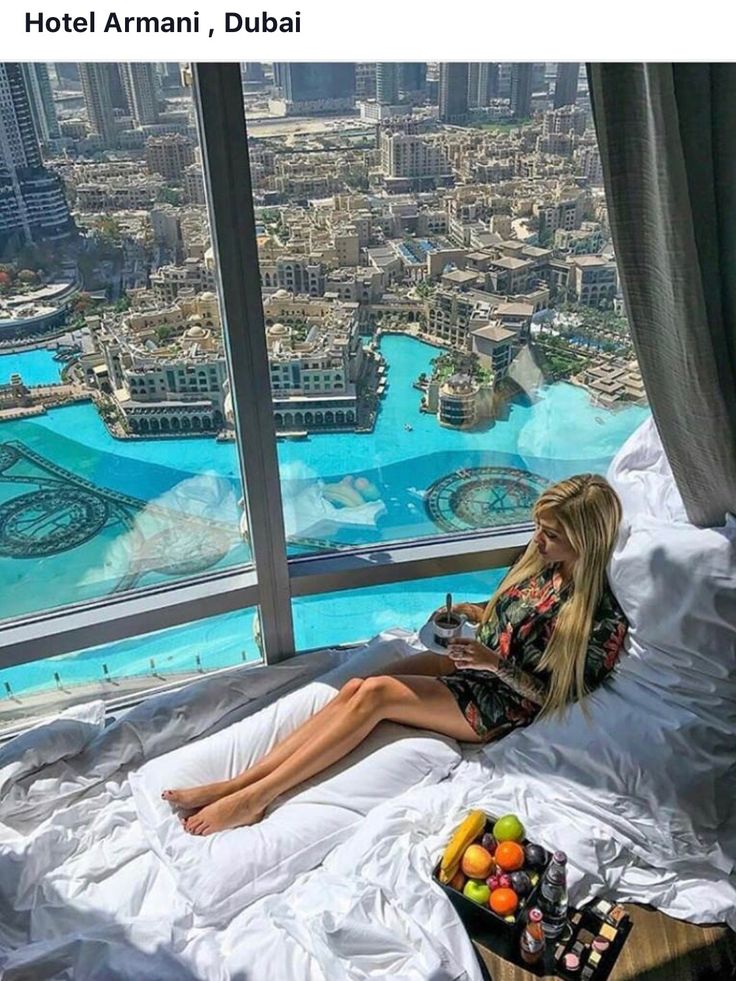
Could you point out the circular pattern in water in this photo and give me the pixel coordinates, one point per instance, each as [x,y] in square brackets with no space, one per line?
[49,521]
[484,497]
[8,456]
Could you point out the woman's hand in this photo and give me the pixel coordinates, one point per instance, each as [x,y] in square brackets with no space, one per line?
[466,652]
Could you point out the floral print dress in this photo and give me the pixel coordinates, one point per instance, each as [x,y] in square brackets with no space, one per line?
[493,702]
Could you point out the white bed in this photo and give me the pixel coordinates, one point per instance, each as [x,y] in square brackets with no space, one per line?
[96,882]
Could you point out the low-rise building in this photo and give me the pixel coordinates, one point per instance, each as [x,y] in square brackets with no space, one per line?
[593,280]
[317,362]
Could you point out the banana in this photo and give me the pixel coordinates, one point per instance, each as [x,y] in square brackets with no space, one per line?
[473,826]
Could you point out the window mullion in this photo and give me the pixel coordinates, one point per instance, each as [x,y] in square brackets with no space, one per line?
[223,140]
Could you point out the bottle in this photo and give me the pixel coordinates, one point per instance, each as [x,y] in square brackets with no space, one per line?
[553,896]
[533,939]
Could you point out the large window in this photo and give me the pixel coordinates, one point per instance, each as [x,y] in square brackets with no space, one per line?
[291,337]
[442,309]
[118,467]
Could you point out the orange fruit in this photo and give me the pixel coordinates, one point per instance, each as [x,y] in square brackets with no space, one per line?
[509,856]
[477,862]
[503,901]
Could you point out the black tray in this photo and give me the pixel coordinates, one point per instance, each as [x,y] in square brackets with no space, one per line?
[483,916]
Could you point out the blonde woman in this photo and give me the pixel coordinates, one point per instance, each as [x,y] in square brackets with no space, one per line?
[551,632]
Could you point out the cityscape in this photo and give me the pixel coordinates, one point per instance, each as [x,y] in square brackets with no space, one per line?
[461,204]
[444,322]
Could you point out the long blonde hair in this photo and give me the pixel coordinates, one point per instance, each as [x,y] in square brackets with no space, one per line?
[589,512]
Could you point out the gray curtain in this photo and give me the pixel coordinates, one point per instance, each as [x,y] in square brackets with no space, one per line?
[667,136]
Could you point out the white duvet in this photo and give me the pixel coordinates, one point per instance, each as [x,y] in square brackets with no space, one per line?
[640,796]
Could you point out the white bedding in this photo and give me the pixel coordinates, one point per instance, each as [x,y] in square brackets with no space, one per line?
[83,896]
[641,797]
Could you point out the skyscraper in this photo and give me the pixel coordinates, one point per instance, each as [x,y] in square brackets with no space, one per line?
[453,94]
[253,71]
[139,83]
[521,90]
[67,73]
[97,90]
[566,84]
[43,110]
[117,93]
[32,202]
[412,76]
[316,87]
[482,83]
[387,82]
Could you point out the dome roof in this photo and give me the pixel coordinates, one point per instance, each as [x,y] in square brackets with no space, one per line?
[196,331]
[278,330]
[207,295]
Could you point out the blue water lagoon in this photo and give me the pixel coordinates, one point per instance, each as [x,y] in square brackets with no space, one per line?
[35,367]
[83,514]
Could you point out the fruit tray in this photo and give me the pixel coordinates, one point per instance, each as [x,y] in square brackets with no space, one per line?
[482,918]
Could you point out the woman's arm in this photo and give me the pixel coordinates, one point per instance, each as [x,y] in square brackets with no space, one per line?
[469,653]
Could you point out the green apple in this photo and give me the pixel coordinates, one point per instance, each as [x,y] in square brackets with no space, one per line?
[508,828]
[477,891]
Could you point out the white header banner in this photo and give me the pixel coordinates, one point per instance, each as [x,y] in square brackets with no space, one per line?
[326,30]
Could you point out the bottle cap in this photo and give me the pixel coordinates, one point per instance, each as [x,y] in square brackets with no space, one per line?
[560,857]
[535,915]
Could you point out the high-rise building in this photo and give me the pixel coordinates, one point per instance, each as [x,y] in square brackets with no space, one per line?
[32,202]
[412,76]
[566,83]
[169,74]
[387,83]
[139,83]
[453,94]
[482,83]
[97,90]
[253,71]
[169,155]
[365,79]
[521,89]
[67,73]
[316,87]
[43,110]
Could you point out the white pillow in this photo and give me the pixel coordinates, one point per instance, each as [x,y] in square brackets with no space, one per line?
[53,739]
[677,586]
[641,475]
[221,874]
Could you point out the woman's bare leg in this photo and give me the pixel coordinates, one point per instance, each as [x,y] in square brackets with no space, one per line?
[417,701]
[192,797]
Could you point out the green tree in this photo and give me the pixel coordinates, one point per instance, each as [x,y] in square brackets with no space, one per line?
[169,195]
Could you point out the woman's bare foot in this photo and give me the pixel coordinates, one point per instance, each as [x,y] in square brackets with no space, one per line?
[193,797]
[234,811]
